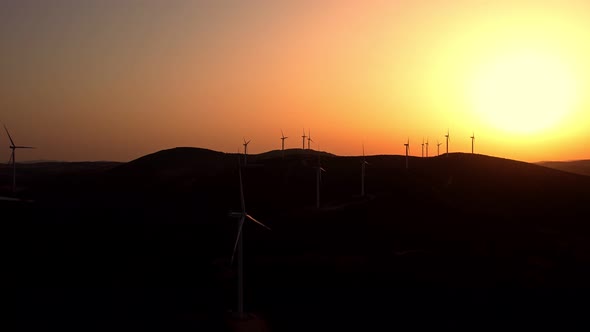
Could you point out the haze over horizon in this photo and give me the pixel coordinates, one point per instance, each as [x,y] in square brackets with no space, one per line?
[115,80]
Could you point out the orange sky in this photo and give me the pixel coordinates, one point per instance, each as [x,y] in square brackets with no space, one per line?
[115,80]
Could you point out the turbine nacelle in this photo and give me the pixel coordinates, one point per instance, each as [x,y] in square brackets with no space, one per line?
[233,214]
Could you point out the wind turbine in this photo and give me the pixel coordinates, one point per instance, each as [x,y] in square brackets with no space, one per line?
[309,140]
[303,137]
[246,151]
[364,163]
[407,145]
[422,147]
[426,147]
[239,245]
[283,138]
[438,148]
[319,171]
[13,147]
[447,136]
[472,141]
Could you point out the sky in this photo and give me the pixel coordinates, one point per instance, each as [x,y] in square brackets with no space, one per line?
[118,79]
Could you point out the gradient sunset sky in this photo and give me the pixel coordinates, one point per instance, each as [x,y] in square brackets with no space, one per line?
[115,80]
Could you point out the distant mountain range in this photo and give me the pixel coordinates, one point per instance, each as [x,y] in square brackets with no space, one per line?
[574,166]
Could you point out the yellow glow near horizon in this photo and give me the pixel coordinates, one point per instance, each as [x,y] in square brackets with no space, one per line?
[524,92]
[129,78]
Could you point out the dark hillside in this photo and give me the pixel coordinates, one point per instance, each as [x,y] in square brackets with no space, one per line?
[497,240]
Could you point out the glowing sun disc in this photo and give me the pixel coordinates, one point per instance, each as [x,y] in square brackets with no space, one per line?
[524,92]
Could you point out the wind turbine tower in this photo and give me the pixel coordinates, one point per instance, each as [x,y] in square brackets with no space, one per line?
[309,140]
[472,141]
[246,151]
[364,163]
[426,147]
[319,171]
[283,138]
[438,148]
[407,145]
[303,139]
[13,147]
[422,147]
[239,245]
[447,137]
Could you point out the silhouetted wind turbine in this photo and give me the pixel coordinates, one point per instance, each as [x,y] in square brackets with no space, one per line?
[246,151]
[422,147]
[239,245]
[363,164]
[283,138]
[407,145]
[309,140]
[447,136]
[426,147]
[303,137]
[472,141]
[13,147]
[438,148]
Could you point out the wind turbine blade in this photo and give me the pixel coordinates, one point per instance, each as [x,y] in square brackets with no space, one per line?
[240,227]
[256,221]
[25,147]
[282,134]
[321,169]
[9,137]
[11,158]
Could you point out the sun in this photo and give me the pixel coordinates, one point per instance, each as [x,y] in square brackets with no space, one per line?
[524,92]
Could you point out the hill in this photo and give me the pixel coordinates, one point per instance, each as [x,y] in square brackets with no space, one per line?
[456,233]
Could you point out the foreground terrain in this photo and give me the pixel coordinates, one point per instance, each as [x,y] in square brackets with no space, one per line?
[455,241]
